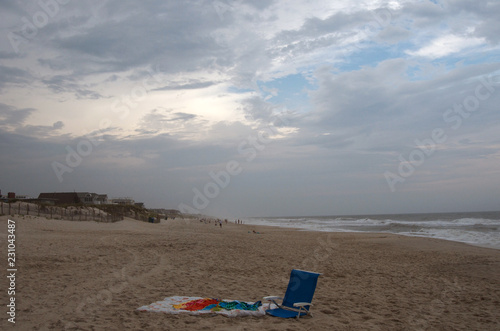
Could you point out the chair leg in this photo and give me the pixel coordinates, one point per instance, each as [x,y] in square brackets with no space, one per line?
[298,315]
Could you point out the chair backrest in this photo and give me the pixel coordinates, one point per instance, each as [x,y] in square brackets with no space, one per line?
[301,287]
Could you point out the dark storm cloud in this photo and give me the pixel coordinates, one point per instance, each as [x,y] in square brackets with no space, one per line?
[383,96]
[125,35]
[164,120]
[189,86]
[12,117]
[13,120]
[64,84]
[40,130]
[12,75]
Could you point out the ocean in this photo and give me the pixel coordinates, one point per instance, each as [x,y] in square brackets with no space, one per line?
[476,228]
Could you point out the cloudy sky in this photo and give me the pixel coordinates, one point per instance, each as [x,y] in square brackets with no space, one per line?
[254,108]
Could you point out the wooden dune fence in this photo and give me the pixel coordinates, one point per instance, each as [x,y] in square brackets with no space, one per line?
[53,212]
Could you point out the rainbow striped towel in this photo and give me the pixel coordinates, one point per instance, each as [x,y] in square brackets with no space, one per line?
[199,305]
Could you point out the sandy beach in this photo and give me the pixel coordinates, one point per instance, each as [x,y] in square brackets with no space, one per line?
[75,275]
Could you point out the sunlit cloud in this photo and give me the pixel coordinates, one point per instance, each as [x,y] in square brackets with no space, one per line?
[448,45]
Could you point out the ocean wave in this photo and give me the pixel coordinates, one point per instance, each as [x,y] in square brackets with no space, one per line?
[471,230]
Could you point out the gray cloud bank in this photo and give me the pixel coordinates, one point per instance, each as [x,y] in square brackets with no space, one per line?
[401,111]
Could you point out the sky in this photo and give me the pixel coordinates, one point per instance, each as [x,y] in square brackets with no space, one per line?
[254,108]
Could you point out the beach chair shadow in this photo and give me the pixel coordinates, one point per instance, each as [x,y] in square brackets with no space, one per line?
[298,295]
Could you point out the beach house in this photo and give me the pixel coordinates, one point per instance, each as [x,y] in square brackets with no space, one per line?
[68,198]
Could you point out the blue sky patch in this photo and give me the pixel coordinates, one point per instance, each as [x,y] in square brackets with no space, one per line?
[291,91]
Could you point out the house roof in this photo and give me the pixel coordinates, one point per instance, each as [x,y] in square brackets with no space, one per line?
[70,197]
[61,197]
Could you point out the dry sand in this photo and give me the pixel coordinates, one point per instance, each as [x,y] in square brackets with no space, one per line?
[93,276]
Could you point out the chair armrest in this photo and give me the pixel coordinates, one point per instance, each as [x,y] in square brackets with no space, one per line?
[301,306]
[272,301]
[272,298]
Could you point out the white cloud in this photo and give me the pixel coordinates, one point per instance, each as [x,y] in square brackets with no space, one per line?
[447,45]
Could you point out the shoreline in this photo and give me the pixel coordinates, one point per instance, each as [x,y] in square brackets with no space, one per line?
[394,234]
[83,275]
[258,226]
[432,232]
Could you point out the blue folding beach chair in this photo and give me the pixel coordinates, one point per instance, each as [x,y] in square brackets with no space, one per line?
[298,295]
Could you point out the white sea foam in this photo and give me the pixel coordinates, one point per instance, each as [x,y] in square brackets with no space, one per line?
[469,229]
